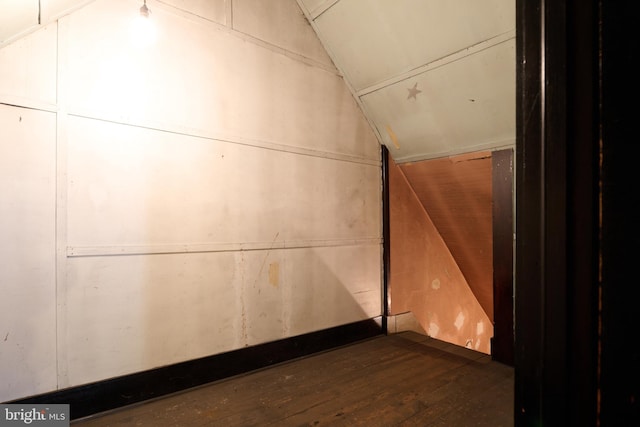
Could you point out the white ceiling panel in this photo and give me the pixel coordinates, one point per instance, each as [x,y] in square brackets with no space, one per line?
[316,7]
[465,105]
[17,16]
[376,39]
[53,9]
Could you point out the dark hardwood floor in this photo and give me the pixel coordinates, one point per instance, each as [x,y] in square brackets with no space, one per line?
[404,379]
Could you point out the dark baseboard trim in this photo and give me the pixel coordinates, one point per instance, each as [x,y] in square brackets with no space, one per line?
[102,396]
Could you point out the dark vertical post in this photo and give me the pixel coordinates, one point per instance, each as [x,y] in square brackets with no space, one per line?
[386,246]
[502,205]
[620,243]
[556,213]
[582,142]
[528,263]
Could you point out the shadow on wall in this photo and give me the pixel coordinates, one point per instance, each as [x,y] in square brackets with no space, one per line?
[153,279]
[139,312]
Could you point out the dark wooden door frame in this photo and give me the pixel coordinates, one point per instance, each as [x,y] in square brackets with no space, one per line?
[556,257]
[386,240]
[576,215]
[502,342]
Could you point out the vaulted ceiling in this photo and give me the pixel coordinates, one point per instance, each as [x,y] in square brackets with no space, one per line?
[434,77]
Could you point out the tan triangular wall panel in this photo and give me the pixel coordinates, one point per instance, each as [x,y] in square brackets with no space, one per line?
[456,193]
[425,278]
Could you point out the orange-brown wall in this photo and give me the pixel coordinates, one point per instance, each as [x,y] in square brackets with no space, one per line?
[456,192]
[425,278]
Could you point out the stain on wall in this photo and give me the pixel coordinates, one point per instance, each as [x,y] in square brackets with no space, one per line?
[274,274]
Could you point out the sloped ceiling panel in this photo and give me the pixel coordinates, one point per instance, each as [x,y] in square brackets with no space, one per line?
[459,107]
[19,17]
[434,77]
[24,15]
[375,40]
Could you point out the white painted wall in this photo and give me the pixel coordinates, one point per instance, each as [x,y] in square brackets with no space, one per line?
[215,190]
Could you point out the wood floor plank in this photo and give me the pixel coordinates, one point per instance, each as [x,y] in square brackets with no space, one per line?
[405,397]
[375,388]
[402,379]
